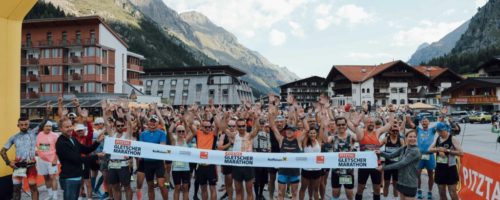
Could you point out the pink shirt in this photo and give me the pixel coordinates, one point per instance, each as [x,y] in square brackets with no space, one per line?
[46,146]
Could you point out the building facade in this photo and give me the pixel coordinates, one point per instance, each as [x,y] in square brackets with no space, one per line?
[74,55]
[188,85]
[306,91]
[440,79]
[388,83]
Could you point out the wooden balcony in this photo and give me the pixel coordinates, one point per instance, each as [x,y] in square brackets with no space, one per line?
[74,77]
[52,61]
[52,78]
[92,78]
[381,95]
[29,78]
[29,61]
[135,82]
[135,67]
[474,100]
[29,95]
[91,60]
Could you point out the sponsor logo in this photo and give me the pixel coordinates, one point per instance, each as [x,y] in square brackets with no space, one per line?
[204,155]
[278,159]
[347,155]
[162,151]
[320,159]
[186,153]
[123,142]
[301,159]
[237,158]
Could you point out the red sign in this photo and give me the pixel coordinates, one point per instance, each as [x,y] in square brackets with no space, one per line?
[204,155]
[347,155]
[479,178]
[320,159]
[123,142]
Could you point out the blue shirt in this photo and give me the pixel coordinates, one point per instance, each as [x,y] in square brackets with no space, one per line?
[425,138]
[158,136]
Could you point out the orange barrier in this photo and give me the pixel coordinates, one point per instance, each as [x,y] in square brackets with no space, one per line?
[479,178]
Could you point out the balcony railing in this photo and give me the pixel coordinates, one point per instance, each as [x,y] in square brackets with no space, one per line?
[52,61]
[135,67]
[29,61]
[135,82]
[92,77]
[91,59]
[29,78]
[413,95]
[74,60]
[29,95]
[52,78]
[75,77]
[381,95]
[473,100]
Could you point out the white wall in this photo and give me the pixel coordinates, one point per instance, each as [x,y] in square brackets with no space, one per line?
[358,96]
[398,96]
[106,38]
[444,86]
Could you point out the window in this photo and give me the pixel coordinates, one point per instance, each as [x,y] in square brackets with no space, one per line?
[368,90]
[64,36]
[160,93]
[90,87]
[46,53]
[172,93]
[55,70]
[185,93]
[313,83]
[394,101]
[46,87]
[49,38]
[225,92]
[198,87]
[173,82]
[402,90]
[211,93]
[161,82]
[149,82]
[363,90]
[78,37]
[225,80]
[148,92]
[28,39]
[92,37]
[394,90]
[186,82]
[55,53]
[90,69]
[90,51]
[401,101]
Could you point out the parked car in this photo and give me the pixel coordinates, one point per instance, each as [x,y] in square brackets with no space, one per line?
[482,117]
[460,116]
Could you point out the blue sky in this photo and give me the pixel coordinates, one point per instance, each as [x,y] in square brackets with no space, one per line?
[309,37]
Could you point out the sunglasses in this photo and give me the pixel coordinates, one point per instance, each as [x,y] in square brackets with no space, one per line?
[207,126]
[231,126]
[242,126]
[341,124]
[181,131]
[120,126]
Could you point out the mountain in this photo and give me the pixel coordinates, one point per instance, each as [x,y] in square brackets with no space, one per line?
[141,33]
[426,52]
[479,43]
[198,32]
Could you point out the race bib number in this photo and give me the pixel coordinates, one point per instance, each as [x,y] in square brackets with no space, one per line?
[115,165]
[426,157]
[44,147]
[20,172]
[345,180]
[442,160]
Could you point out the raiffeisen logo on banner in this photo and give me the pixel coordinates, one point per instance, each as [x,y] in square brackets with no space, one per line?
[350,160]
[125,147]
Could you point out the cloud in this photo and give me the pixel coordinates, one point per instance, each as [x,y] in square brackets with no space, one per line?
[480,3]
[354,14]
[449,12]
[296,29]
[426,31]
[242,17]
[277,38]
[350,14]
[365,55]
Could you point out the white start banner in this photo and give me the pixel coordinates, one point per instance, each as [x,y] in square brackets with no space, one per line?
[248,159]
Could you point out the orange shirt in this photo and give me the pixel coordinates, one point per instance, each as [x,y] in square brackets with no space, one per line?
[205,141]
[369,141]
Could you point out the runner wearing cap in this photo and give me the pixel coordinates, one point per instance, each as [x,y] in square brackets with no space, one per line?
[446,148]
[406,165]
[46,164]
[153,167]
[84,136]
[288,144]
[24,162]
[275,148]
[368,141]
[392,143]
[180,170]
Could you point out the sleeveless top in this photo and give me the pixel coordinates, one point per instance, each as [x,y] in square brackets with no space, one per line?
[448,160]
[391,147]
[313,149]
[243,144]
[288,146]
[177,165]
[369,142]
[342,145]
[262,142]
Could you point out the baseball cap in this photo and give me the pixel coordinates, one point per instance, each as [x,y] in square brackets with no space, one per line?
[154,117]
[79,127]
[280,118]
[441,126]
[290,127]
[48,123]
[99,120]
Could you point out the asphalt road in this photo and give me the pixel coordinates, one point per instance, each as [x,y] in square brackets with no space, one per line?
[476,139]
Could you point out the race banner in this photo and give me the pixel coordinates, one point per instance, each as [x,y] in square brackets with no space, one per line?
[249,159]
[479,178]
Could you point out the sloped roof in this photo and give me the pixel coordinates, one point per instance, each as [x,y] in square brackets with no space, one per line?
[485,81]
[361,73]
[435,71]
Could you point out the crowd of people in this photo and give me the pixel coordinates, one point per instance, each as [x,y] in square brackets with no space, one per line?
[74,162]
